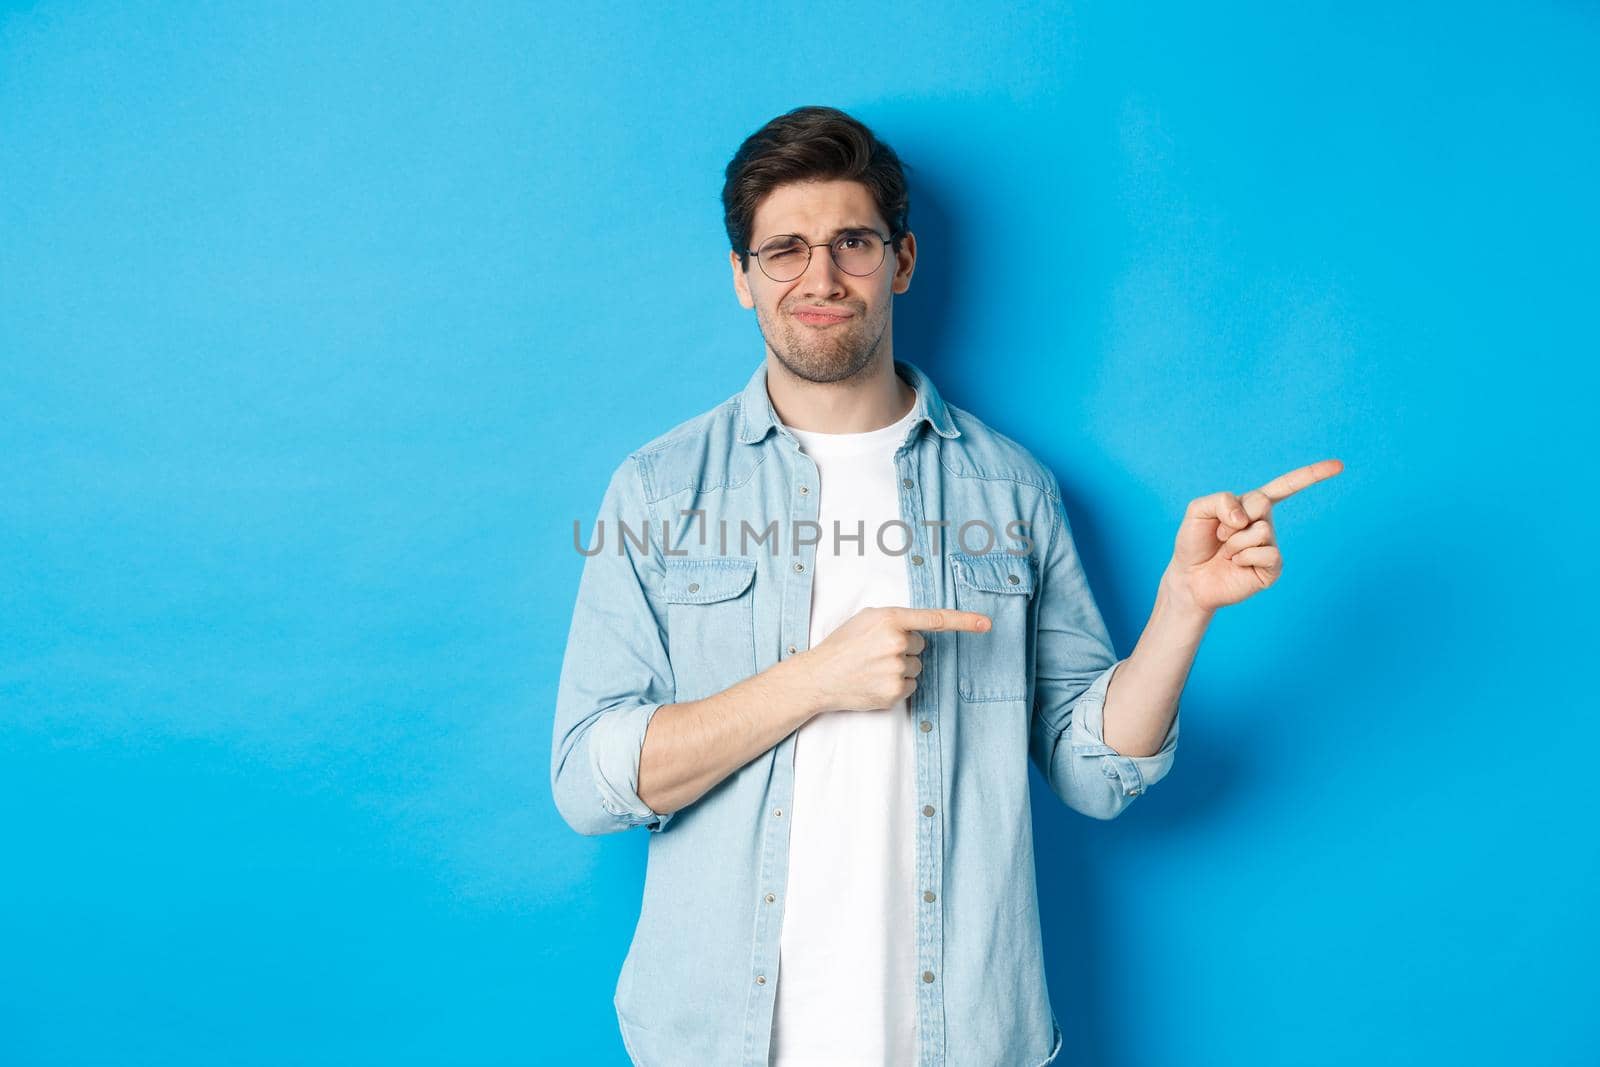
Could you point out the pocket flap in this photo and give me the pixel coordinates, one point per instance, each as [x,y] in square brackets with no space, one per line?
[994,572]
[705,581]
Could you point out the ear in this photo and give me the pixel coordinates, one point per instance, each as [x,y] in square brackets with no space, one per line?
[741,282]
[905,263]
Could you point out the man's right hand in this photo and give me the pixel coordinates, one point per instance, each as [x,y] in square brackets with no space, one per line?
[872,661]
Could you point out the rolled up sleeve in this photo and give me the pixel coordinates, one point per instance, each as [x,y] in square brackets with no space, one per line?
[1133,774]
[615,674]
[1074,662]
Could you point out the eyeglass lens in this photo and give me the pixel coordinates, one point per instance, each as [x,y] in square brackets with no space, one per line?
[786,257]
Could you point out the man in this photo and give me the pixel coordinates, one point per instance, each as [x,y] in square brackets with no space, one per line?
[823,630]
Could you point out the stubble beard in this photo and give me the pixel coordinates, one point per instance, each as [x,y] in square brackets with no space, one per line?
[824,355]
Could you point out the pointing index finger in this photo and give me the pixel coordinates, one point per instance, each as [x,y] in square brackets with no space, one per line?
[941,619]
[1286,485]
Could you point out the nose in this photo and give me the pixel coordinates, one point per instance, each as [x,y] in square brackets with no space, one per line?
[822,275]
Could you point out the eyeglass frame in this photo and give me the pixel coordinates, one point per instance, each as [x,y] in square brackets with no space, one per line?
[887,241]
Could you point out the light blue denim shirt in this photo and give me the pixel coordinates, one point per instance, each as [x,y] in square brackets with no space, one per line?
[678,609]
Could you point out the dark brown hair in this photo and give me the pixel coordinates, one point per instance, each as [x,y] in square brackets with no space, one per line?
[811,144]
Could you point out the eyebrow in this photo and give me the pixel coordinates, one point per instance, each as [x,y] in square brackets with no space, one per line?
[836,233]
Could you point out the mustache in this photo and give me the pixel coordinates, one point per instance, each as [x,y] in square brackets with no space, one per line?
[801,305]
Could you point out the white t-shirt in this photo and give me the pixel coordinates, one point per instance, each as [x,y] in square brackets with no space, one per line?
[847,967]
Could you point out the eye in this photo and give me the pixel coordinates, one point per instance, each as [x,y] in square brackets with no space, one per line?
[780,249]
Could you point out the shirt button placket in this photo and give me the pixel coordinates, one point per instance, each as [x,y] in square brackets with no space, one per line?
[802,505]
[925,591]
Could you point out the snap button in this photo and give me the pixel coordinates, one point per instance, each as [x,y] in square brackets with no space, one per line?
[917,560]
[927,976]
[770,898]
[761,979]
[694,587]
[927,809]
[926,725]
[804,489]
[928,896]
[799,568]
[1013,579]
[792,650]
[777,812]
[907,482]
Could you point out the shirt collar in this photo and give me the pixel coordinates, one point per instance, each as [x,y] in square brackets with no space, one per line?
[756,416]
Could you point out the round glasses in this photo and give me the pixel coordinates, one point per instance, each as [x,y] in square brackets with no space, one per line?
[785,257]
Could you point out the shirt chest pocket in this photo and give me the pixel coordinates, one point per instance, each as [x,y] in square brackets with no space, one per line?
[710,623]
[994,665]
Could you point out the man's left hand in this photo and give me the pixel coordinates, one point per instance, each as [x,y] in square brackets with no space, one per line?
[1226,549]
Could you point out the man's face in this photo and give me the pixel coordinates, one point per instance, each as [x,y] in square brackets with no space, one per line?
[830,349]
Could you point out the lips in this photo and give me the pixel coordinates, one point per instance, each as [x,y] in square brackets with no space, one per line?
[820,316]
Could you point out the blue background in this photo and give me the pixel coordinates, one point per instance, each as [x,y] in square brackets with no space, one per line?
[321,324]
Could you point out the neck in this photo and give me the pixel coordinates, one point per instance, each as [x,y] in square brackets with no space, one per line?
[871,400]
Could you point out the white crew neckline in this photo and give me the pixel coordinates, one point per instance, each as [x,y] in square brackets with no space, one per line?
[817,443]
